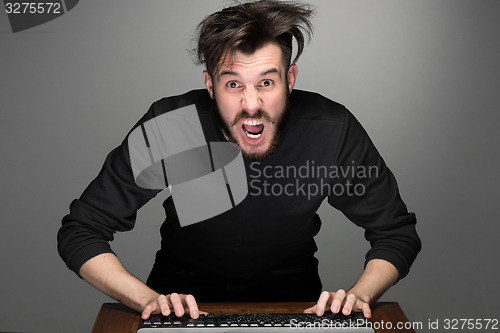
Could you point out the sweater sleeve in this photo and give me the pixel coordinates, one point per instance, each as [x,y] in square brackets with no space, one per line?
[371,199]
[109,204]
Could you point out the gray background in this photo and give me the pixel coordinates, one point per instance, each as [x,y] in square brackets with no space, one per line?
[422,76]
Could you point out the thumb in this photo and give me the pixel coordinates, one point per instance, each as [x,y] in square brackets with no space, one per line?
[312,309]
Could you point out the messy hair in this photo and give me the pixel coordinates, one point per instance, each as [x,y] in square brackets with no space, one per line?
[247,27]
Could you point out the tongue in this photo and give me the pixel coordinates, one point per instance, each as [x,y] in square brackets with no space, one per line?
[254,129]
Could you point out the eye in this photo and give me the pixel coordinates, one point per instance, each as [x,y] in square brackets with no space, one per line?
[233,85]
[266,83]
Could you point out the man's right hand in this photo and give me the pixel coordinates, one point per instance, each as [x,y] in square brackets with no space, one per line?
[180,304]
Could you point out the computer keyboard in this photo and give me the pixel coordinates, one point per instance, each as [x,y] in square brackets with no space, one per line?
[255,323]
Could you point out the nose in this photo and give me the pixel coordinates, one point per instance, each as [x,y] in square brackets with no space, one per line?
[251,102]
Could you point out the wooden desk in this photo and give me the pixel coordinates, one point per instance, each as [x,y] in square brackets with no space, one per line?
[116,318]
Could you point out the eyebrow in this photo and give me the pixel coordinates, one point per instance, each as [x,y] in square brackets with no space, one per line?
[269,71]
[228,73]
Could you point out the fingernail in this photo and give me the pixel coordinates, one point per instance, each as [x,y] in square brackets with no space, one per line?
[319,312]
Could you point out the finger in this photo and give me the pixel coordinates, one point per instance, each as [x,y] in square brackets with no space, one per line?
[337,301]
[192,306]
[148,309]
[312,309]
[322,302]
[163,304]
[176,301]
[367,312]
[349,304]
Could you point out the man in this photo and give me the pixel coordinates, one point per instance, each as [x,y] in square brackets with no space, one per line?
[299,149]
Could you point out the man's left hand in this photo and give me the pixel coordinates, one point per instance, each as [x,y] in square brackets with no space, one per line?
[334,301]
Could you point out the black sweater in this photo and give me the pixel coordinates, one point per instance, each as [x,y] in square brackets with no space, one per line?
[323,153]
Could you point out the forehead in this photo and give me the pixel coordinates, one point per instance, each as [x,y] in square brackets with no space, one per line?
[262,60]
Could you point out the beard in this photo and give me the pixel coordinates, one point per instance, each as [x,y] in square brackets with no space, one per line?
[279,122]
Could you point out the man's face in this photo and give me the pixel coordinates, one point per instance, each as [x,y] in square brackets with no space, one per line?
[251,93]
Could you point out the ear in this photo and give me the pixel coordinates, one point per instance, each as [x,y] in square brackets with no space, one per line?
[293,71]
[208,83]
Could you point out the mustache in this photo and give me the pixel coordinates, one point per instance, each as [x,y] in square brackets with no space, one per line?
[257,115]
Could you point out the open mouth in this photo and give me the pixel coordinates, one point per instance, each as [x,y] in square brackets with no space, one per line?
[253,128]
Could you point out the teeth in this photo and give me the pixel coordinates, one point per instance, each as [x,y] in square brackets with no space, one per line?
[252,122]
[253,136]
